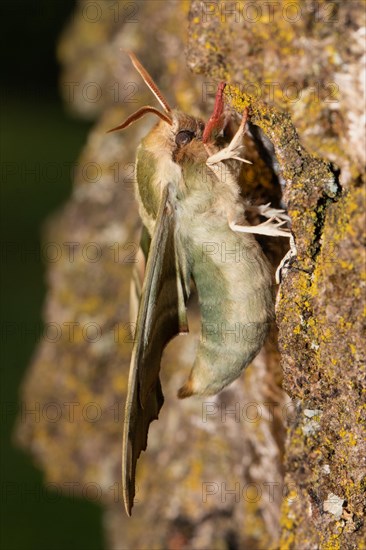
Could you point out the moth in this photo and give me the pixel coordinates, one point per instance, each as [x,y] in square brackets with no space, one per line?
[186,208]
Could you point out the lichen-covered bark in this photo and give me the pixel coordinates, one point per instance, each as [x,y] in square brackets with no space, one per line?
[320,310]
[213,475]
[321,317]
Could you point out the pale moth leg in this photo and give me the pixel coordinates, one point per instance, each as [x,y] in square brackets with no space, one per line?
[267,211]
[235,147]
[286,260]
[272,228]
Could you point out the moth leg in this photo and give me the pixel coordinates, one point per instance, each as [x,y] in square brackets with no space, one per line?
[286,261]
[272,227]
[235,147]
[267,211]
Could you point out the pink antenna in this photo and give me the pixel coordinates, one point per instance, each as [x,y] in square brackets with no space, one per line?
[139,114]
[150,82]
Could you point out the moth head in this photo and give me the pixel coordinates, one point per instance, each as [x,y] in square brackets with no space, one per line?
[193,137]
[185,136]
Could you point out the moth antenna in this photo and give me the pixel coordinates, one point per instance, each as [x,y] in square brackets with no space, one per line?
[139,114]
[150,83]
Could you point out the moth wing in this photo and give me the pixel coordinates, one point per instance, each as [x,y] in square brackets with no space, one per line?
[138,274]
[161,315]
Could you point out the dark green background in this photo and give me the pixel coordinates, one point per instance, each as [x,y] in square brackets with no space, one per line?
[35,130]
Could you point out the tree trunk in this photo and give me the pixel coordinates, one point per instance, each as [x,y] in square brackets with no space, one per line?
[217,471]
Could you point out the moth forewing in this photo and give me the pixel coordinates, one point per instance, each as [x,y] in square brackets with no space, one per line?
[160,317]
[138,275]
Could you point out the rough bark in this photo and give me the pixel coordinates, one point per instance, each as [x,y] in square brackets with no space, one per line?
[213,473]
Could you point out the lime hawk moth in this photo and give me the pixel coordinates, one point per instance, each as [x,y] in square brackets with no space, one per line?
[183,203]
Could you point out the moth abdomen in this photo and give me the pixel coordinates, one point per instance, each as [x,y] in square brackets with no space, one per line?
[236,306]
[222,356]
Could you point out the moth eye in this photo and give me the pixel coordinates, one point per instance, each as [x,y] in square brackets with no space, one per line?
[183,137]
